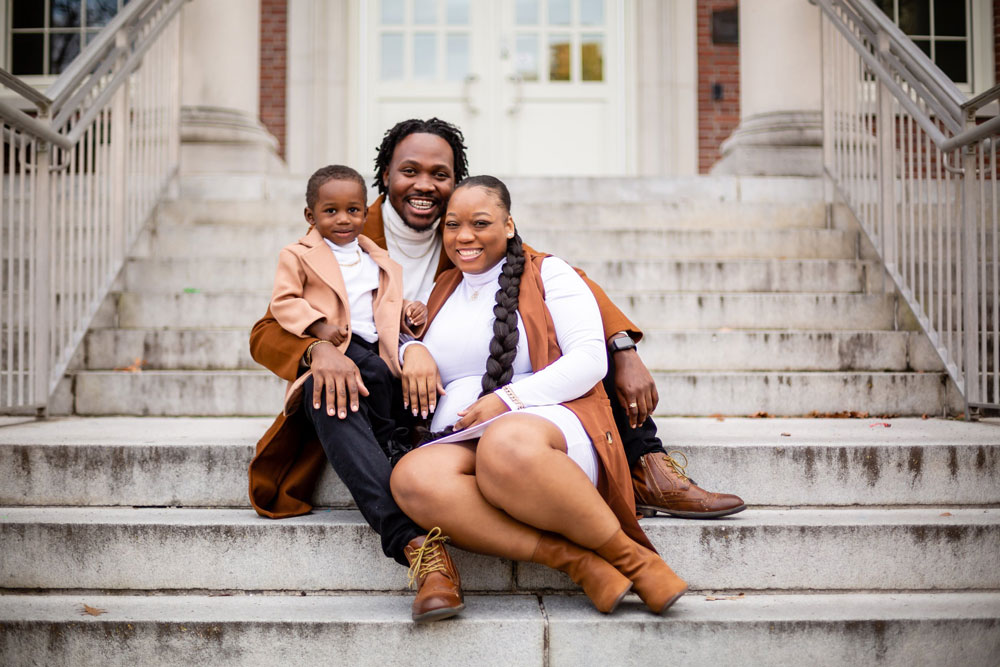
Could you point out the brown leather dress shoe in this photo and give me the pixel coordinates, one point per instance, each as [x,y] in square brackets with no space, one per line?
[439,588]
[661,486]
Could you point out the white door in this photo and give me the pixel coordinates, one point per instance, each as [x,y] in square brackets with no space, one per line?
[534,84]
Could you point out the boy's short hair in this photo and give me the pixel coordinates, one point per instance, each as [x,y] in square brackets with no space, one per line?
[333,172]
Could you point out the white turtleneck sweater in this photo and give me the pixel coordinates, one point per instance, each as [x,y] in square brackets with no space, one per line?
[417,252]
[361,281]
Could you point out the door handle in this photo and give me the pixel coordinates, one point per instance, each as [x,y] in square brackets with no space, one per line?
[467,93]
[518,82]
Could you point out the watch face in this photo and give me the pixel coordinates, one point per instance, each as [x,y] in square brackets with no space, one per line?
[623,343]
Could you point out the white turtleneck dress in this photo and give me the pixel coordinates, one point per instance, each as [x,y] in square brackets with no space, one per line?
[459,336]
[417,252]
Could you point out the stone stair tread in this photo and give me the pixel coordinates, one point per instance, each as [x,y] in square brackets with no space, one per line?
[553,630]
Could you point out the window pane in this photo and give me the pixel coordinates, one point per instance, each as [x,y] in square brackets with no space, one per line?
[951,58]
[64,14]
[458,12]
[924,45]
[559,57]
[27,54]
[592,12]
[886,7]
[424,55]
[392,56]
[425,12]
[526,12]
[392,12]
[89,36]
[63,47]
[28,14]
[526,57]
[592,57]
[949,18]
[559,12]
[915,17]
[99,12]
[457,48]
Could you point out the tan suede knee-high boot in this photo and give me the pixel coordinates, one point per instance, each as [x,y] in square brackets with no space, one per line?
[603,584]
[654,581]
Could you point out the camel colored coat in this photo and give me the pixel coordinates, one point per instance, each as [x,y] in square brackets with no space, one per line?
[289,458]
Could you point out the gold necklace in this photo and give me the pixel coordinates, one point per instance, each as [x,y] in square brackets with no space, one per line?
[395,242]
[355,262]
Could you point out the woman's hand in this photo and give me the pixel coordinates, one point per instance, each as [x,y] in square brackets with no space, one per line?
[325,331]
[487,407]
[421,381]
[635,387]
[333,371]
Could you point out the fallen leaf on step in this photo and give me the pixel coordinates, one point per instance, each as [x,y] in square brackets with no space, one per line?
[945,514]
[924,416]
[760,415]
[713,598]
[718,417]
[882,424]
[93,611]
[191,290]
[134,367]
[786,435]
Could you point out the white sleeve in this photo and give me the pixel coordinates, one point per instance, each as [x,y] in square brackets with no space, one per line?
[580,334]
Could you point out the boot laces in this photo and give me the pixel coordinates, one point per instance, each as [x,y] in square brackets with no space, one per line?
[676,465]
[430,557]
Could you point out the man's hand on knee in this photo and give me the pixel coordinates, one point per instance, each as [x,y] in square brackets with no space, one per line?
[635,387]
[339,377]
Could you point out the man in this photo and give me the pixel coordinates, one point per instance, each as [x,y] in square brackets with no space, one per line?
[417,166]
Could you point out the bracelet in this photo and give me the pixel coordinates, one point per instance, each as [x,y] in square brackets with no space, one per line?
[308,356]
[513,397]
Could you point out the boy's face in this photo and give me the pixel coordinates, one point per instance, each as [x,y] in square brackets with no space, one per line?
[340,212]
[420,178]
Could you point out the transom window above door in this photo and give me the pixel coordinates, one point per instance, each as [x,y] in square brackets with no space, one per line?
[46,35]
[424,40]
[941,28]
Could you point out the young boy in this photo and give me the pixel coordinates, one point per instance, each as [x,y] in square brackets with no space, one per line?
[336,285]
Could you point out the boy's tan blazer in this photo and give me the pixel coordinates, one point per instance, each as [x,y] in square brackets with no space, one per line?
[308,286]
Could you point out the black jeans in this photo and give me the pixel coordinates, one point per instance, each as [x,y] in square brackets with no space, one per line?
[352,446]
[639,440]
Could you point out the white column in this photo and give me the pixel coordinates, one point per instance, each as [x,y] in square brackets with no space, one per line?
[220,70]
[780,131]
[666,82]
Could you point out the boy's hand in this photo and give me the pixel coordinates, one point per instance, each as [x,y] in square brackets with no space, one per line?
[416,314]
[339,376]
[326,331]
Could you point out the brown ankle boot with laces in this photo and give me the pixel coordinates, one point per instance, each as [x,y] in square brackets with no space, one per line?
[439,588]
[661,485]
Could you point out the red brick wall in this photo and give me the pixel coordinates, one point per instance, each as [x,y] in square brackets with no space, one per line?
[273,67]
[996,41]
[717,63]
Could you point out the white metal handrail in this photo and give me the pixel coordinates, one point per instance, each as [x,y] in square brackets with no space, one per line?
[908,153]
[80,179]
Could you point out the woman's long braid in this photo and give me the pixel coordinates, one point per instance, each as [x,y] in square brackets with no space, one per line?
[503,347]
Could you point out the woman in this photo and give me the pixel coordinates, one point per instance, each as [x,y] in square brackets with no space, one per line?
[546,481]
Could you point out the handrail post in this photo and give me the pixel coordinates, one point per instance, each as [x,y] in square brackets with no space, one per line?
[970,277]
[119,158]
[42,306]
[886,165]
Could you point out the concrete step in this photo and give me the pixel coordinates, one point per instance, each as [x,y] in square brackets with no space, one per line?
[788,351]
[222,393]
[552,630]
[792,394]
[335,550]
[168,349]
[202,462]
[731,275]
[651,309]
[228,349]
